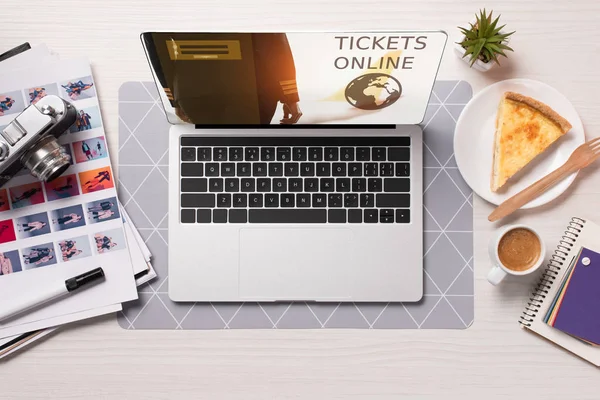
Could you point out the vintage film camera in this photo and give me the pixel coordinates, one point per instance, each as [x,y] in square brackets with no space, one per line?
[30,140]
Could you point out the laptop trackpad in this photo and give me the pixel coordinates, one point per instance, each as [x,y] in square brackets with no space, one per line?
[295,263]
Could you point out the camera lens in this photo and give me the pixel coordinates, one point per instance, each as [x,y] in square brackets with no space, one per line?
[47,159]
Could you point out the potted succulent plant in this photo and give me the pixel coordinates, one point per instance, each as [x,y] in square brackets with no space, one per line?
[483,41]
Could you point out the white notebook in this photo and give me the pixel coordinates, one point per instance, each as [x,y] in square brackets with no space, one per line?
[580,232]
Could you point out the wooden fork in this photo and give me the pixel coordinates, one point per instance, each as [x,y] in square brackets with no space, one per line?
[583,156]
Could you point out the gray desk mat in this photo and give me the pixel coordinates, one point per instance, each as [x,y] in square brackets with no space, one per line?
[448,302]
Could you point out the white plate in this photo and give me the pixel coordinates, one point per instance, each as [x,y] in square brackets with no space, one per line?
[474,142]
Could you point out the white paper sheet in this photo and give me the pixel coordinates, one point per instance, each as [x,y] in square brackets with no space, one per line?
[35,56]
[32,339]
[139,255]
[83,226]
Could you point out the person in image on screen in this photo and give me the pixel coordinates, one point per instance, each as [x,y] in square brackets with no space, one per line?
[31,226]
[275,77]
[68,249]
[36,94]
[5,265]
[38,256]
[100,215]
[104,243]
[44,251]
[39,261]
[95,181]
[67,219]
[74,89]
[99,146]
[104,206]
[6,105]
[66,245]
[84,121]
[78,124]
[26,194]
[86,149]
[70,252]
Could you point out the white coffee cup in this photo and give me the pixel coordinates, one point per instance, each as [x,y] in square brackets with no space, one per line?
[499,271]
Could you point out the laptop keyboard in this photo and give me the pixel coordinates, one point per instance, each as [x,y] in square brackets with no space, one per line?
[295,180]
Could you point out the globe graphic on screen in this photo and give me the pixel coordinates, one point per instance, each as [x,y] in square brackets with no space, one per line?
[373,91]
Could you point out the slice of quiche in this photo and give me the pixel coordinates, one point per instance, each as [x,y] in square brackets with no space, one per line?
[525,128]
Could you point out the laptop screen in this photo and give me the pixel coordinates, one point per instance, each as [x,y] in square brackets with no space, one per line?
[354,78]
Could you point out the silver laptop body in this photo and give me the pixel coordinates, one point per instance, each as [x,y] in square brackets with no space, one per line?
[338,219]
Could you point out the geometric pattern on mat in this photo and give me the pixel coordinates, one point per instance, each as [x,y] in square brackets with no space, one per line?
[448,302]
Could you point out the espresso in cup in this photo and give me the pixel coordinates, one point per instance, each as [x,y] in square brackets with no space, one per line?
[519,249]
[515,250]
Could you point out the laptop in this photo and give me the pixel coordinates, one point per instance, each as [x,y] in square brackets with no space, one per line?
[295,163]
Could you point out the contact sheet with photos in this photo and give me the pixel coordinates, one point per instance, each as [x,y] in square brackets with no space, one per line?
[65,227]
[143,272]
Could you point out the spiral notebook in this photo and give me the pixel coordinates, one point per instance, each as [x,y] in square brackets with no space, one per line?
[580,232]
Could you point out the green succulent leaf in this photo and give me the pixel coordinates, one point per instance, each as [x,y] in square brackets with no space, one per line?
[470,42]
[497,30]
[502,36]
[495,40]
[495,49]
[505,47]
[484,39]
[481,25]
[492,28]
[489,26]
[477,51]
[464,31]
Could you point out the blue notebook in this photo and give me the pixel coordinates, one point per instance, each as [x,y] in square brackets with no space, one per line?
[565,304]
[576,306]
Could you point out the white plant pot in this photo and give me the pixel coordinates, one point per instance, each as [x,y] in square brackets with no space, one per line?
[479,65]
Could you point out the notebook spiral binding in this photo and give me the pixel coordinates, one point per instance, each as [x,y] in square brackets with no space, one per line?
[555,264]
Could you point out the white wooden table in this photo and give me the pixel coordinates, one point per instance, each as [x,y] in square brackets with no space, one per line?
[556,42]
